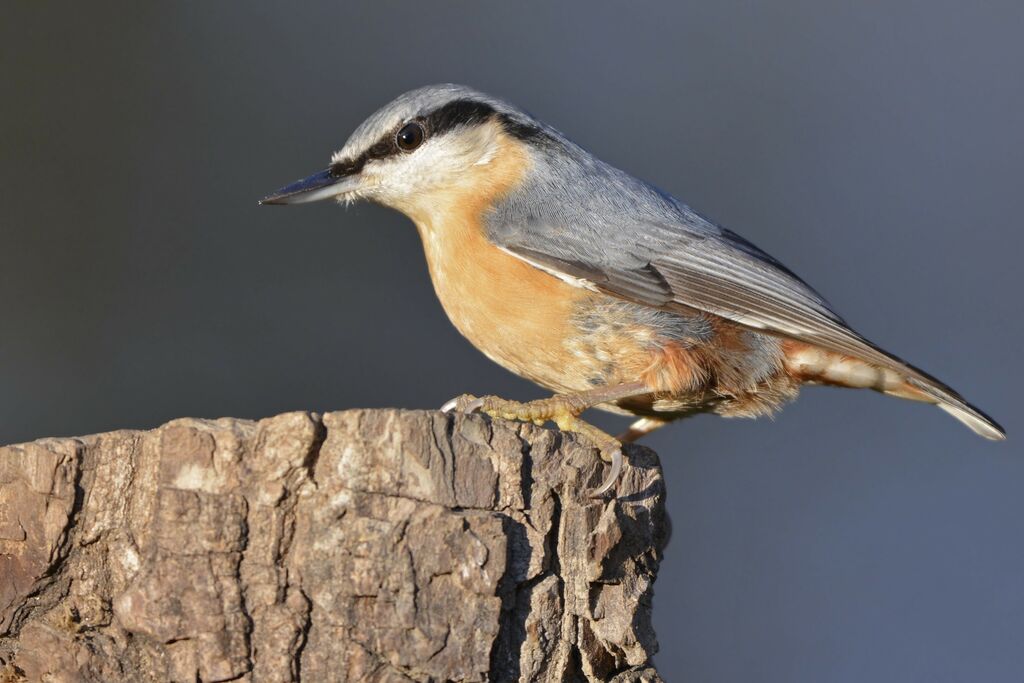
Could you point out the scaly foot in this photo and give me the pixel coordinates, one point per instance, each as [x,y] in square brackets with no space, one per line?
[563,410]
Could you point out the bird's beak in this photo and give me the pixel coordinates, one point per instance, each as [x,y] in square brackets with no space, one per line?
[322,185]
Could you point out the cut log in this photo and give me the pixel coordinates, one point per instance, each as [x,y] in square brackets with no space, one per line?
[366,545]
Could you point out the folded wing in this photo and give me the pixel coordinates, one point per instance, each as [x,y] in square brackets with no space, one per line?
[687,262]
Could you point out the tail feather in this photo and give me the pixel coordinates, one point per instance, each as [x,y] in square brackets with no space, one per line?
[954,404]
[897,378]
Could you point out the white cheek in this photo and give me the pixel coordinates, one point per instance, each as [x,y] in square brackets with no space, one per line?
[405,175]
[490,148]
[408,182]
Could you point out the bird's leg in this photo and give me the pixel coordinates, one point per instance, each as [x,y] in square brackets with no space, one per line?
[564,411]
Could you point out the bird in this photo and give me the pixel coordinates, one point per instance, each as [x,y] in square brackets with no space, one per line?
[596,285]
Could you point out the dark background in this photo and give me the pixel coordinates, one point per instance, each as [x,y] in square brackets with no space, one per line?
[876,150]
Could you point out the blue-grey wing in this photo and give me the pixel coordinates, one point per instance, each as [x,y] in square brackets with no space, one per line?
[684,262]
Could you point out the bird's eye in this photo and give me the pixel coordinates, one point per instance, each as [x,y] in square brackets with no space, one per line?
[410,137]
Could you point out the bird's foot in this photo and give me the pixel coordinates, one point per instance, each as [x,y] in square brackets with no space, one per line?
[563,410]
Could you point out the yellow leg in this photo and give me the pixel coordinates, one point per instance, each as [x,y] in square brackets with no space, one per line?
[563,410]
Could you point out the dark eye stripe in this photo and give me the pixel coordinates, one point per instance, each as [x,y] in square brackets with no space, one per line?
[457,113]
[379,150]
[438,122]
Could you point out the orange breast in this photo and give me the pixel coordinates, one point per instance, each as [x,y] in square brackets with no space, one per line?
[518,315]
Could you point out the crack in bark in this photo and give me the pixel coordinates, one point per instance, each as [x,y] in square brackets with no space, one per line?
[52,585]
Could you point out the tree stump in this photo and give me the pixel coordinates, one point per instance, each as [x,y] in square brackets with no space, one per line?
[365,545]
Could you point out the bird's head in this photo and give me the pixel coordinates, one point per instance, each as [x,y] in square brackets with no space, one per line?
[430,144]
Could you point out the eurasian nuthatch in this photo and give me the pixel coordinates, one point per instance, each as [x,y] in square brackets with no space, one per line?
[596,285]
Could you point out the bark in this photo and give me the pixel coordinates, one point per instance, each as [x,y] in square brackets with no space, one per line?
[366,545]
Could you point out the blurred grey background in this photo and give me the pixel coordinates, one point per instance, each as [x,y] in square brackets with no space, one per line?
[876,149]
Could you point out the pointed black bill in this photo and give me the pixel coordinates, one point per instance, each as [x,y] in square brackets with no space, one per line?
[322,185]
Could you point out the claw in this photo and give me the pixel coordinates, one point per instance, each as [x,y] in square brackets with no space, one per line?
[466,403]
[613,475]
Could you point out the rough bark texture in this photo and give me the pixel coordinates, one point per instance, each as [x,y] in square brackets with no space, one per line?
[355,546]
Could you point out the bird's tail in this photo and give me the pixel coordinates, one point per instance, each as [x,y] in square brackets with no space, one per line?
[954,404]
[813,364]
